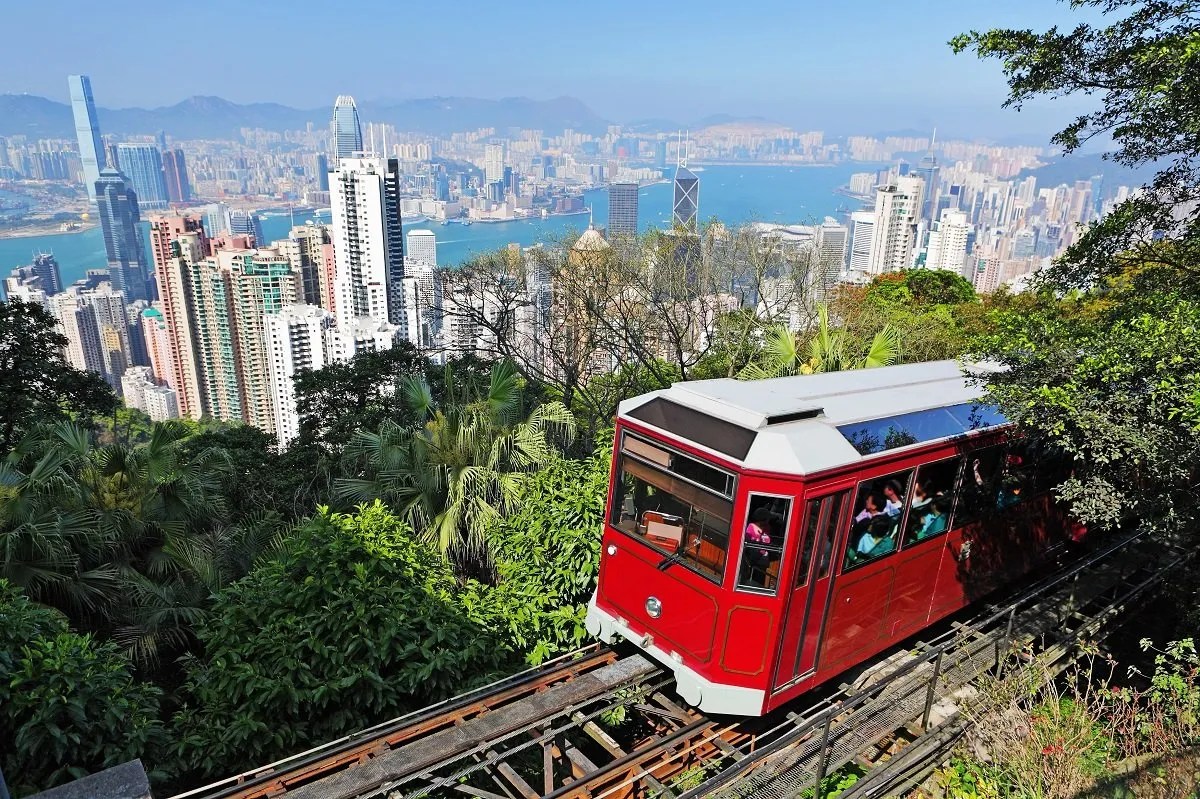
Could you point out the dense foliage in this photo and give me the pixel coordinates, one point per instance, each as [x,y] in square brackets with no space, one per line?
[69,704]
[353,624]
[1102,367]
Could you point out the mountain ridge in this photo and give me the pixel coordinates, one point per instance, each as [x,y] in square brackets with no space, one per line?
[211,117]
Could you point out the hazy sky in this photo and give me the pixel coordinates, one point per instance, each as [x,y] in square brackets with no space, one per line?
[865,65]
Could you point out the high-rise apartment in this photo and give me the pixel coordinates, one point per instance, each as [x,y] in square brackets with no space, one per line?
[422,246]
[622,210]
[304,249]
[87,132]
[296,340]
[179,189]
[97,331]
[948,242]
[493,163]
[141,163]
[123,243]
[686,205]
[176,242]
[345,130]
[897,209]
[261,283]
[368,240]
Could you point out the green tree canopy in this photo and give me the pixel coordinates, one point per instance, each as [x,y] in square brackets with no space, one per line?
[354,624]
[69,705]
[1141,64]
[1102,363]
[457,474]
[37,385]
[337,401]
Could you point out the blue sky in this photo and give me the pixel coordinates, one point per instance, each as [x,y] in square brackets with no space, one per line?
[841,66]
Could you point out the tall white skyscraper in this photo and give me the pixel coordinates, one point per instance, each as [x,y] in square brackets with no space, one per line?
[493,162]
[296,340]
[346,131]
[422,246]
[897,209]
[948,242]
[831,241]
[368,240]
[863,241]
[87,131]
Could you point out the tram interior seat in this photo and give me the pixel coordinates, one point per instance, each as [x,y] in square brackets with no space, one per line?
[663,528]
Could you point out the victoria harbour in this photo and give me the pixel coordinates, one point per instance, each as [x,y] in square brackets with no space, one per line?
[731,194]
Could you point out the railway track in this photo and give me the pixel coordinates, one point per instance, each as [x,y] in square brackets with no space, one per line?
[599,724]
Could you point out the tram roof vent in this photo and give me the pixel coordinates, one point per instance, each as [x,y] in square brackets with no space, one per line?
[793,416]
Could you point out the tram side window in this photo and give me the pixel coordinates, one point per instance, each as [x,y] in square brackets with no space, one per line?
[931,501]
[673,515]
[875,526]
[762,542]
[982,494]
[828,535]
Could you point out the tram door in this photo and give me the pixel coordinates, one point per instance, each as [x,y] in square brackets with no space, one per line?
[810,590]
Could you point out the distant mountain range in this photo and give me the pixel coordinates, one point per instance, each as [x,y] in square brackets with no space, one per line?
[215,118]
[1070,168]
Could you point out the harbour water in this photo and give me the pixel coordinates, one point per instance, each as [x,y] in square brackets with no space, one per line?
[732,194]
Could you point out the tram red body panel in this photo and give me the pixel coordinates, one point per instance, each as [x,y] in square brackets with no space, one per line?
[756,585]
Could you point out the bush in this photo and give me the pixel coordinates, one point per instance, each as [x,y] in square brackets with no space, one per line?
[69,705]
[548,555]
[355,624]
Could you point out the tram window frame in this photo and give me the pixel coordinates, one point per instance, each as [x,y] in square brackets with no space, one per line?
[810,529]
[655,458]
[949,498]
[773,550]
[853,559]
[829,538]
[976,498]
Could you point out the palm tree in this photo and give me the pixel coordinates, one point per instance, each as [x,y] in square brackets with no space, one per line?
[53,544]
[462,469]
[828,351]
[124,539]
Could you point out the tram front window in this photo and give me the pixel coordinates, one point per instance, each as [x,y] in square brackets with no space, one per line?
[674,513]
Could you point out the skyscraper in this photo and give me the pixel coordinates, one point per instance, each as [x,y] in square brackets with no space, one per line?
[622,210]
[296,339]
[141,163]
[176,242]
[304,249]
[831,241]
[368,240]
[863,241]
[948,242]
[493,162]
[686,206]
[119,218]
[45,268]
[422,246]
[87,131]
[179,190]
[346,132]
[897,209]
[245,223]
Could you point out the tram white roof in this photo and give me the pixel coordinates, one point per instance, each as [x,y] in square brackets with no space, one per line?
[791,423]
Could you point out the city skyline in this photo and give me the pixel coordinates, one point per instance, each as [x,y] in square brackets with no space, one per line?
[782,63]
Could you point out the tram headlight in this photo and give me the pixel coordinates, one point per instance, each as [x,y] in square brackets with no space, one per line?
[653,607]
[611,549]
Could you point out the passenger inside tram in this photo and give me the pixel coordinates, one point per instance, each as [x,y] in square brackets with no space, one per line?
[763,539]
[932,519]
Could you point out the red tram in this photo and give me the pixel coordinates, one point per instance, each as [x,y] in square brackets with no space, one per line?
[762,537]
